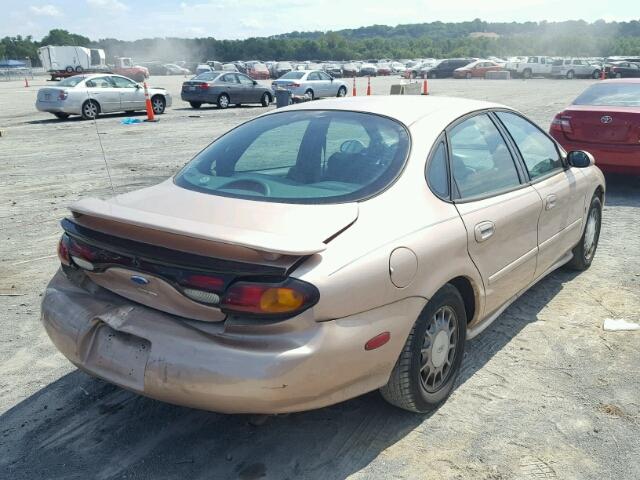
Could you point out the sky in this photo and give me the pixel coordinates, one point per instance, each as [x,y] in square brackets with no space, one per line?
[232,19]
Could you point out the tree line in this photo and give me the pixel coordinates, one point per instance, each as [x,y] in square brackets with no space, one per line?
[435,39]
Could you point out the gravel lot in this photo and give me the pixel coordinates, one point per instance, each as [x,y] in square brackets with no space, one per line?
[544,392]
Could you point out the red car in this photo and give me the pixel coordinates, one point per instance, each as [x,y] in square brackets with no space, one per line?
[479,68]
[605,121]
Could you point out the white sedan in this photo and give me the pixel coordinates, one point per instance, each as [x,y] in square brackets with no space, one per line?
[91,95]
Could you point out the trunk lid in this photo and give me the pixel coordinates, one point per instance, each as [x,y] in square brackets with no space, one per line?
[49,94]
[603,124]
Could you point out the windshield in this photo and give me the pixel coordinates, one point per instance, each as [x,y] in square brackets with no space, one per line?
[301,157]
[611,94]
[71,81]
[293,75]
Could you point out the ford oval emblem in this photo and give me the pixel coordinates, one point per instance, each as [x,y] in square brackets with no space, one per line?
[606,119]
[139,280]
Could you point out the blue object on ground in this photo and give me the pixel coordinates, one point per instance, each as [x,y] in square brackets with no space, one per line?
[130,121]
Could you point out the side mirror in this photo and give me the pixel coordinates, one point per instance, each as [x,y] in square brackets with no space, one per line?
[138,87]
[331,78]
[580,159]
[255,83]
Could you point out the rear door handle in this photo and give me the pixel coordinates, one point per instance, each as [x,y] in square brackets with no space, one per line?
[550,202]
[484,231]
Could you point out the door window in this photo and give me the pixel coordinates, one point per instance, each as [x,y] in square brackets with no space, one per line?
[437,175]
[246,81]
[313,76]
[481,163]
[99,82]
[229,78]
[324,76]
[121,82]
[538,151]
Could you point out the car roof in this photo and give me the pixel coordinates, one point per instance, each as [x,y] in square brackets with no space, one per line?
[620,80]
[407,109]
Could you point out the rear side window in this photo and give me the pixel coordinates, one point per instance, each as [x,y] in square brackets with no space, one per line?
[302,157]
[537,150]
[437,174]
[481,163]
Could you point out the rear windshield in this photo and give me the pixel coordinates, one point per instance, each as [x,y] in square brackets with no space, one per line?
[301,157]
[611,94]
[293,75]
[71,81]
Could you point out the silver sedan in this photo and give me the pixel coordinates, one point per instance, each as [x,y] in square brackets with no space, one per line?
[314,83]
[91,95]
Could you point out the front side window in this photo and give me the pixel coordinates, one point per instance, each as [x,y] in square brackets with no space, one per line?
[481,163]
[301,157]
[121,82]
[244,80]
[537,150]
[99,82]
[229,78]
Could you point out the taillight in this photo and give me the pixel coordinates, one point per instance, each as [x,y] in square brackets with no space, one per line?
[561,123]
[63,95]
[63,250]
[269,299]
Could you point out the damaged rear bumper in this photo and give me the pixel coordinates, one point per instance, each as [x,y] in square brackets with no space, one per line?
[230,366]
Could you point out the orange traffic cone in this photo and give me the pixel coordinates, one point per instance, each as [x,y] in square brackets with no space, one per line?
[150,116]
[602,74]
[425,87]
[353,92]
[368,86]
[26,82]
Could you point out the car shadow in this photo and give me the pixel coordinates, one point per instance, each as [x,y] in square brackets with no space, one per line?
[622,190]
[215,107]
[80,427]
[78,118]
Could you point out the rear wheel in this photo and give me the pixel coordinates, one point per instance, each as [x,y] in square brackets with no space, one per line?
[433,75]
[584,252]
[596,74]
[570,74]
[527,73]
[61,115]
[79,69]
[90,110]
[69,69]
[309,93]
[195,104]
[429,363]
[158,104]
[223,100]
[265,100]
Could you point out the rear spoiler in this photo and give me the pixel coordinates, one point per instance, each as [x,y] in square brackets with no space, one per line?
[253,239]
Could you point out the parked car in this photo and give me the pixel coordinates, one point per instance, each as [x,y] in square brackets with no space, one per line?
[312,254]
[229,67]
[280,68]
[174,69]
[531,67]
[383,69]
[368,70]
[224,89]
[445,68]
[350,70]
[575,68]
[258,71]
[604,120]
[477,69]
[203,68]
[622,70]
[332,69]
[314,83]
[92,95]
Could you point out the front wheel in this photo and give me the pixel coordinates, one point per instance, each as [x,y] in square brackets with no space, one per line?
[158,104]
[618,75]
[584,252]
[223,101]
[429,363]
[342,91]
[468,75]
[570,75]
[596,74]
[265,100]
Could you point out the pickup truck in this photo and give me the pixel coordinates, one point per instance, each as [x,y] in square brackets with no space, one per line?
[125,67]
[535,66]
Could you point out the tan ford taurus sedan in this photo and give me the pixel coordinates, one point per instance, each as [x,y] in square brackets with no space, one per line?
[322,251]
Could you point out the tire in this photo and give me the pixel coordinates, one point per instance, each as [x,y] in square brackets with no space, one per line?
[413,75]
[195,104]
[223,101]
[310,93]
[596,74]
[527,74]
[585,250]
[618,75]
[79,69]
[432,75]
[407,388]
[468,76]
[69,69]
[90,110]
[61,115]
[342,91]
[158,103]
[265,100]
[570,75]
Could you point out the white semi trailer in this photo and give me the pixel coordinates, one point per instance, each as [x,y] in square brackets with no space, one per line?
[63,61]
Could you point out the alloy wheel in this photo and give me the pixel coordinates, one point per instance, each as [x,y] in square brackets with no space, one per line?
[438,349]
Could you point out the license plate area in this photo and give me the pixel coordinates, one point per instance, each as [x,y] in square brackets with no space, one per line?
[117,357]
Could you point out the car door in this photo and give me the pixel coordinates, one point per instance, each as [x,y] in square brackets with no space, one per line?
[633,70]
[329,87]
[499,210]
[250,90]
[105,92]
[230,85]
[131,94]
[560,189]
[313,82]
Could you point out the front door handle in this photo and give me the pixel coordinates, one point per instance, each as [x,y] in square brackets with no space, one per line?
[484,231]
[550,202]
